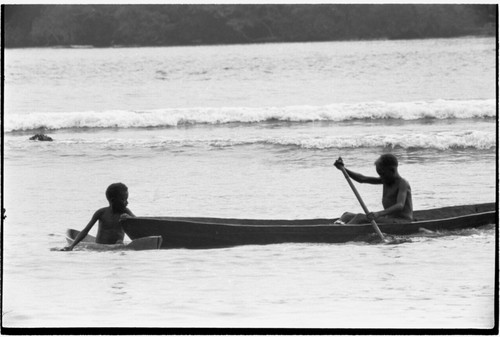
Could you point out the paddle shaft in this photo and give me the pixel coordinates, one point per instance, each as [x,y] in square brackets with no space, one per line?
[361,202]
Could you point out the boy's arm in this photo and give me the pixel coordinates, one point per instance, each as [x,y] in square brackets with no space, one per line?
[363,179]
[85,231]
[339,163]
[127,214]
[400,201]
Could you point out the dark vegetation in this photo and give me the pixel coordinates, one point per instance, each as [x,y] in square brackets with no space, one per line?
[166,25]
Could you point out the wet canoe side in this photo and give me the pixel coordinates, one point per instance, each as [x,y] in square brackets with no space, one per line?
[185,232]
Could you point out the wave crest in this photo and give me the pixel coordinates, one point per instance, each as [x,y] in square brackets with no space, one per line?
[440,109]
[459,140]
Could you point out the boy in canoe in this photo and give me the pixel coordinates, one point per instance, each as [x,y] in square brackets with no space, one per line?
[110,230]
[396,195]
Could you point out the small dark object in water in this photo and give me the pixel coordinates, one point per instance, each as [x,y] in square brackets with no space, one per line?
[41,137]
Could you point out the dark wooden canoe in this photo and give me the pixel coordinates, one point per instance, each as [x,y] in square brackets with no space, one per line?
[183,232]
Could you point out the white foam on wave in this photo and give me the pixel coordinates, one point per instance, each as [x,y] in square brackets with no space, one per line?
[440,109]
[480,140]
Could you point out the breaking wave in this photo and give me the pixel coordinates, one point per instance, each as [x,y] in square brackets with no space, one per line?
[439,109]
[455,140]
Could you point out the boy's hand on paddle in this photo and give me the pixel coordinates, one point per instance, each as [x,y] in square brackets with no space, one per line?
[372,216]
[339,163]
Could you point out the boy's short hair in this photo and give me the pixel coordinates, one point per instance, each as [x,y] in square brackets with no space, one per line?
[115,190]
[387,160]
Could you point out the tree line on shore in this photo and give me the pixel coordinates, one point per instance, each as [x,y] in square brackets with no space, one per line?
[168,25]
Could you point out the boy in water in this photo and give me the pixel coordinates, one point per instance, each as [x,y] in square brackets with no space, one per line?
[110,230]
[396,195]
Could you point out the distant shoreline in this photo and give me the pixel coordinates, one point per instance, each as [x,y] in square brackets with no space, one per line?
[242,44]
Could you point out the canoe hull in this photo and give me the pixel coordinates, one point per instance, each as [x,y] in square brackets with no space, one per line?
[201,233]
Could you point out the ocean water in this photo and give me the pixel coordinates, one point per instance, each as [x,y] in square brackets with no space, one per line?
[248,131]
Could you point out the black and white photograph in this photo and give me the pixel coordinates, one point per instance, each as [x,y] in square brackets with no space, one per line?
[249,168]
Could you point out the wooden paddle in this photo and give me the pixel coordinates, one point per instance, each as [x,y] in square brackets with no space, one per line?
[358,196]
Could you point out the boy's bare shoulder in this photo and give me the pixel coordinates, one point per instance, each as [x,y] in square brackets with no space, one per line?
[101,211]
[404,182]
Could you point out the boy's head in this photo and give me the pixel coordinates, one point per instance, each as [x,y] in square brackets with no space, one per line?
[117,195]
[387,166]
